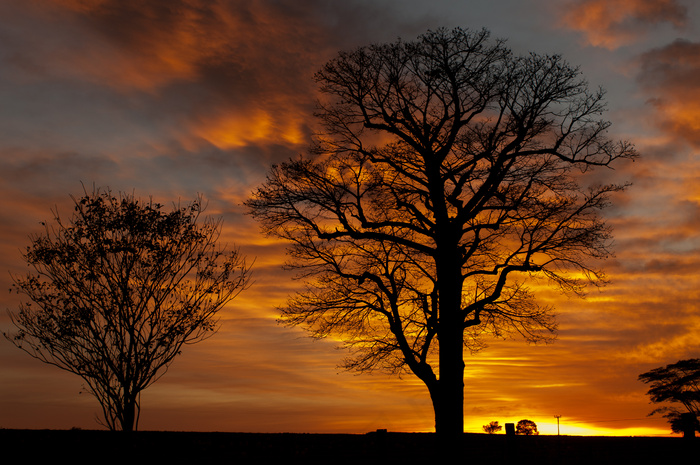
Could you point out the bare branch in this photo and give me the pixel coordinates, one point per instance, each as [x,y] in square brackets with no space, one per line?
[444,180]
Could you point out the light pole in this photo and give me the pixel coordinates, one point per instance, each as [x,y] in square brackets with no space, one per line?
[557,417]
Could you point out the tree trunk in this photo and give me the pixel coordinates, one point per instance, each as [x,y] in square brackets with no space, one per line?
[448,393]
[128,419]
[448,401]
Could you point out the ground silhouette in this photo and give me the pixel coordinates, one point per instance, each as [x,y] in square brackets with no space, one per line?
[378,447]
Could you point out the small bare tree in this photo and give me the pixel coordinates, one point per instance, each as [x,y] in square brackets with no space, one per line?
[118,290]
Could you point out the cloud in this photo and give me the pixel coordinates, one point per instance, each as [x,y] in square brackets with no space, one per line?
[614,23]
[221,72]
[226,73]
[669,75]
[151,44]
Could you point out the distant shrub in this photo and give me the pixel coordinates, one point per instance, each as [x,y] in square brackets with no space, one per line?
[526,428]
[492,427]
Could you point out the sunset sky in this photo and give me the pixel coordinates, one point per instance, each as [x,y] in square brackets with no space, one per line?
[173,98]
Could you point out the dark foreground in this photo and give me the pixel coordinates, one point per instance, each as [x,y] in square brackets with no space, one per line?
[100,447]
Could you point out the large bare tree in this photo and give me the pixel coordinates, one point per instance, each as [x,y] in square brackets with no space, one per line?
[444,178]
[116,292]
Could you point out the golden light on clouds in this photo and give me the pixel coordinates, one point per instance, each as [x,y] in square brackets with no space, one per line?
[234,131]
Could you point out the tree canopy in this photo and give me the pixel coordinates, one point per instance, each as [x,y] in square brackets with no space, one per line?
[444,177]
[677,384]
[492,428]
[526,428]
[116,292]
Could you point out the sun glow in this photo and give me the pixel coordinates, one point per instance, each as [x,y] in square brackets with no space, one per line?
[570,427]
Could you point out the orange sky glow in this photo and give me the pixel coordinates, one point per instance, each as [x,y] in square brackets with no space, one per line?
[171,98]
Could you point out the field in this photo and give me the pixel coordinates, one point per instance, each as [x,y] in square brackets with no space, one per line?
[97,447]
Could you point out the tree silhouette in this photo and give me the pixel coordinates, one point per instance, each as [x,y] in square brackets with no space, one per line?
[492,428]
[676,383]
[444,178]
[118,290]
[526,428]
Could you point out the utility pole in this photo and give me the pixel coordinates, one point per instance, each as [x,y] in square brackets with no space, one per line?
[557,417]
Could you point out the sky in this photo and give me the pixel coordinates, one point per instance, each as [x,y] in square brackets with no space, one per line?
[173,98]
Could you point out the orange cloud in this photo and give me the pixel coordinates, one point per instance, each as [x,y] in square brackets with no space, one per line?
[234,130]
[148,45]
[614,23]
[232,73]
[123,50]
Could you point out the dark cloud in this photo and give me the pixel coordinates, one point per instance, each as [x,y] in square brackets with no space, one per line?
[614,23]
[669,75]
